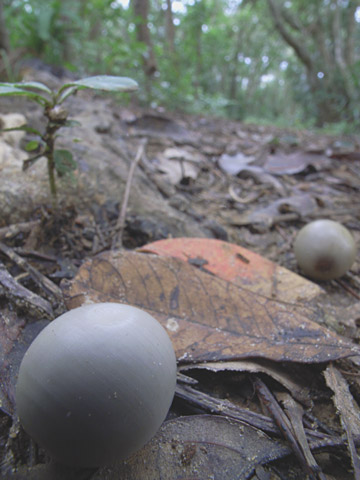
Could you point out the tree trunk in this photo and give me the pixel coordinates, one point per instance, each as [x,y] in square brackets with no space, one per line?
[170,28]
[198,64]
[350,32]
[141,11]
[5,60]
[233,74]
[4,36]
[279,21]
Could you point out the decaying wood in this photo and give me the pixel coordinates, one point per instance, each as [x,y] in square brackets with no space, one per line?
[22,297]
[15,229]
[51,290]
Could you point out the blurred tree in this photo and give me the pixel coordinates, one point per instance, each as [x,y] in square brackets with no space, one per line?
[45,29]
[141,12]
[4,36]
[170,28]
[322,35]
[8,56]
[4,45]
[219,56]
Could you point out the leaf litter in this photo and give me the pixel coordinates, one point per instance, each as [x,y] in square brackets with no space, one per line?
[207,318]
[324,180]
[214,324]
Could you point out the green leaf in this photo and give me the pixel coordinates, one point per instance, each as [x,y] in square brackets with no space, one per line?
[105,82]
[24,128]
[65,92]
[64,162]
[34,85]
[9,89]
[32,145]
[72,123]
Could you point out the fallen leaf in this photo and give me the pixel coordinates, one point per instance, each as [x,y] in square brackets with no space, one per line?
[293,385]
[177,164]
[288,164]
[191,156]
[260,176]
[233,164]
[199,447]
[301,204]
[240,266]
[207,318]
[342,148]
[162,126]
[344,401]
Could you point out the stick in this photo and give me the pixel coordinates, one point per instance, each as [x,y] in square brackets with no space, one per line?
[282,421]
[119,228]
[49,288]
[12,230]
[22,297]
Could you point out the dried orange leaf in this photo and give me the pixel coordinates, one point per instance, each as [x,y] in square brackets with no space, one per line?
[207,318]
[238,265]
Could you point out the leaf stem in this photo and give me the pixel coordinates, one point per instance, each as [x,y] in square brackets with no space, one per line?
[56,119]
[51,173]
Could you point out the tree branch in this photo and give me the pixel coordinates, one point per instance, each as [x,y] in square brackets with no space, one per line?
[350,30]
[299,49]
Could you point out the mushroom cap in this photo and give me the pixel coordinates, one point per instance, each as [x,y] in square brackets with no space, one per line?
[324,249]
[96,384]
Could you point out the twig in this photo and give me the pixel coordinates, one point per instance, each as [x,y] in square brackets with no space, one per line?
[119,228]
[224,407]
[282,421]
[348,289]
[22,297]
[52,290]
[12,230]
[295,414]
[24,252]
[206,402]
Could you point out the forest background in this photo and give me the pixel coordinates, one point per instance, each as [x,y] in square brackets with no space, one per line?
[284,62]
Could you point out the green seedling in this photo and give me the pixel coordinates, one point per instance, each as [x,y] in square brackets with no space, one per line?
[59,161]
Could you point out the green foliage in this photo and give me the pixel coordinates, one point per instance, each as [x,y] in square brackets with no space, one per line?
[229,57]
[32,145]
[43,27]
[59,161]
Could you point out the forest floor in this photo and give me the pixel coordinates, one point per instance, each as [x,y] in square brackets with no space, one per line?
[211,179]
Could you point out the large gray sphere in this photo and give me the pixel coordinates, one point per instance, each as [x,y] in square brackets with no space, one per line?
[96,384]
[324,249]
